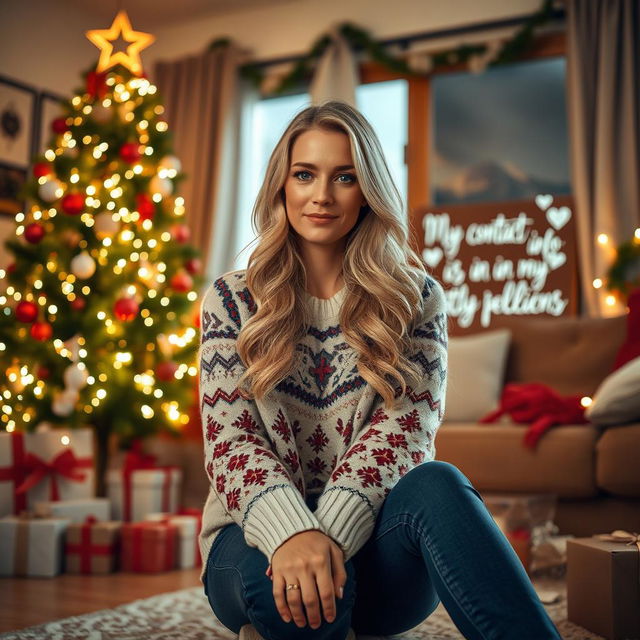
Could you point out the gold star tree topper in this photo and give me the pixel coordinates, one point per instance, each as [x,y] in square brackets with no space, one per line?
[103,38]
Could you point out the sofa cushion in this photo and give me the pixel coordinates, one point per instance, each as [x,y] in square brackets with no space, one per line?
[475,374]
[617,399]
[617,456]
[493,457]
[572,355]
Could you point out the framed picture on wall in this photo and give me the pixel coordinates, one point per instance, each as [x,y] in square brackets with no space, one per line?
[11,181]
[17,121]
[49,108]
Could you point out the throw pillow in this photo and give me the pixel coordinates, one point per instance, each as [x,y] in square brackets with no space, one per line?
[617,399]
[475,374]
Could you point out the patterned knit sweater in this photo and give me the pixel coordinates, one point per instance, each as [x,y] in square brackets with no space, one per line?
[322,430]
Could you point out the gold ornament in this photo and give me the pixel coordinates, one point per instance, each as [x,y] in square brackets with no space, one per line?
[102,39]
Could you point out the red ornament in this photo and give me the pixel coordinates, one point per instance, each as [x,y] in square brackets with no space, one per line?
[11,267]
[26,311]
[34,232]
[165,371]
[194,265]
[78,304]
[59,125]
[126,309]
[43,373]
[181,282]
[73,203]
[41,331]
[96,84]
[130,152]
[196,319]
[41,169]
[145,206]
[180,232]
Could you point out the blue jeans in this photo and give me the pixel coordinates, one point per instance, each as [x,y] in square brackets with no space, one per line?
[434,539]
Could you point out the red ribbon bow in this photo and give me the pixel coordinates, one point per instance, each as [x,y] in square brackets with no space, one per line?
[64,464]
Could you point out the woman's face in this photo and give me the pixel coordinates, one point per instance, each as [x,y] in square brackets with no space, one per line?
[322,179]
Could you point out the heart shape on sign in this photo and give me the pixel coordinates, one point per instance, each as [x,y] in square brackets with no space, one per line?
[543,201]
[555,260]
[558,217]
[432,256]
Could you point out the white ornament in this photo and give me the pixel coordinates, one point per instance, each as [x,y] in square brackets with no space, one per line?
[73,346]
[163,186]
[51,190]
[83,266]
[105,226]
[75,376]
[65,402]
[170,163]
[43,426]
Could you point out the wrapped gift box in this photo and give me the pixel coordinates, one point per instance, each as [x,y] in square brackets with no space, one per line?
[188,553]
[92,546]
[143,491]
[50,465]
[75,510]
[149,547]
[32,546]
[603,587]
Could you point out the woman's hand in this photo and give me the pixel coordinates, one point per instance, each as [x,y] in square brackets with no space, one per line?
[315,562]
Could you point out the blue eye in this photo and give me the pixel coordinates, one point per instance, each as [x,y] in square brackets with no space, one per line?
[351,177]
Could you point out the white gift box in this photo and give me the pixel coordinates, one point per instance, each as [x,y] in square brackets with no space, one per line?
[76,510]
[32,546]
[188,527]
[50,453]
[152,490]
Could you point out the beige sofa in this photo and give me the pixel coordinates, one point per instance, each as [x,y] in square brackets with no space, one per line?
[594,472]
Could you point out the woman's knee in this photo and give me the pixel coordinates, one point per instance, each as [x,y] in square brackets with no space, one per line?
[266,617]
[432,479]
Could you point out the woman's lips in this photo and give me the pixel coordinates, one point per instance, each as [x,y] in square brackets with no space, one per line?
[321,220]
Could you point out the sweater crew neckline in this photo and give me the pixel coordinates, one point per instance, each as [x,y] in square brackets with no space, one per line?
[325,308]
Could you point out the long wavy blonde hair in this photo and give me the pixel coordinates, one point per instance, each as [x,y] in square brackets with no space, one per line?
[383,275]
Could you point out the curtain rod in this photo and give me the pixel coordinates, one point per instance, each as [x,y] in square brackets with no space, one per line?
[404,41]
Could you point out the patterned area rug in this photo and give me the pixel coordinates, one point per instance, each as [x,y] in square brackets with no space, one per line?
[186,615]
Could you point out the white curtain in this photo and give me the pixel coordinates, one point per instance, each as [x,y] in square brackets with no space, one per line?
[336,76]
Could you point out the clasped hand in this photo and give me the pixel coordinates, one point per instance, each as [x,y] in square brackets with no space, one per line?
[315,562]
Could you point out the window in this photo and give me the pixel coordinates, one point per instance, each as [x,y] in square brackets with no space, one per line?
[500,135]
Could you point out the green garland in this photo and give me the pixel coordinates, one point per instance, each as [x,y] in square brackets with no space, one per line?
[624,273]
[359,38]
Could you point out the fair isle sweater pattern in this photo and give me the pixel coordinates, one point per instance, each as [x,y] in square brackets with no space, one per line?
[322,430]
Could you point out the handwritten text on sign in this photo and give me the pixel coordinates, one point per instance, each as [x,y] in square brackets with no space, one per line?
[518,261]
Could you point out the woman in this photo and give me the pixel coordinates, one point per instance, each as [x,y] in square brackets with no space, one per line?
[321,467]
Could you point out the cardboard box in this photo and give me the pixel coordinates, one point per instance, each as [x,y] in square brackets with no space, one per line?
[93,547]
[32,546]
[76,510]
[603,587]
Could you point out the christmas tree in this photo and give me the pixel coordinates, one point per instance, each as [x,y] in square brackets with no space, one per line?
[100,310]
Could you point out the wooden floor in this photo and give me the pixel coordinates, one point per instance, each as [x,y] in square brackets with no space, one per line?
[28,601]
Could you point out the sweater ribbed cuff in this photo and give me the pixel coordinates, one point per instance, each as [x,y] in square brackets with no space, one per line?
[347,518]
[275,516]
